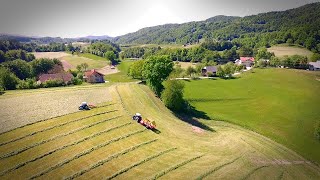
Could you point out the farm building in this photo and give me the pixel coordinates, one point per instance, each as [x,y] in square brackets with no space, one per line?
[314,66]
[246,61]
[93,76]
[64,76]
[209,69]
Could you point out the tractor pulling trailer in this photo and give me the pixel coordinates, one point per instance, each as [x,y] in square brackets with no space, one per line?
[145,122]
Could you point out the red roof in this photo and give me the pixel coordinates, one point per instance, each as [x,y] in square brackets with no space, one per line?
[66,77]
[247,58]
[91,72]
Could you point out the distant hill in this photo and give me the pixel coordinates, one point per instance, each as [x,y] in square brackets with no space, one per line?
[298,26]
[97,37]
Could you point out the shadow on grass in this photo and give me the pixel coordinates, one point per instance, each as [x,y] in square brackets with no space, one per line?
[157,131]
[2,92]
[191,116]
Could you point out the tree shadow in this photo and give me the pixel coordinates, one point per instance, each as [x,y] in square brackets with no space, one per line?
[191,116]
[2,92]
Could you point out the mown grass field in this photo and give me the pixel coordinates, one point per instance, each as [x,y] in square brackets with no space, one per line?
[121,76]
[285,50]
[279,103]
[94,62]
[104,143]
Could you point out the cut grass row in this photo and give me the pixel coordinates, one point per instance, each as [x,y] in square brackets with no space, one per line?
[102,162]
[6,137]
[140,162]
[63,147]
[86,152]
[12,153]
[56,126]
[166,171]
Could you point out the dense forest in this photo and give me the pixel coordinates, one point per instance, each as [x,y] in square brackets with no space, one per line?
[295,26]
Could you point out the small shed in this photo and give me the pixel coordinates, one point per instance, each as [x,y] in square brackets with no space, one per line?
[314,66]
[93,76]
[209,69]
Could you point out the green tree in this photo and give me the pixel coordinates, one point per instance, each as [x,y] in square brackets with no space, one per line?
[190,70]
[135,70]
[315,57]
[110,55]
[226,71]
[156,69]
[172,95]
[43,65]
[2,56]
[20,68]
[8,80]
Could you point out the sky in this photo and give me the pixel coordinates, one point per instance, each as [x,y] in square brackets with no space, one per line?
[79,18]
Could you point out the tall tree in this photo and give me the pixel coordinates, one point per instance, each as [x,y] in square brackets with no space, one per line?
[156,69]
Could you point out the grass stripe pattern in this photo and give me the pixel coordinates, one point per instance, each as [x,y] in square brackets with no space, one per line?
[102,162]
[85,153]
[47,119]
[52,127]
[216,169]
[63,147]
[13,153]
[166,171]
[140,162]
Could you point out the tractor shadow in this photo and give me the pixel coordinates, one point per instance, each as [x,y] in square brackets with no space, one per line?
[157,131]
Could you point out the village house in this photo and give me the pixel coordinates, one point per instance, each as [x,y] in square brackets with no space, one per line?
[63,76]
[314,66]
[209,69]
[93,76]
[246,61]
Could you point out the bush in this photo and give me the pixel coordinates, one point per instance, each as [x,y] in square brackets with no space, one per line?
[317,131]
[8,80]
[210,74]
[53,83]
[76,81]
[172,95]
[28,84]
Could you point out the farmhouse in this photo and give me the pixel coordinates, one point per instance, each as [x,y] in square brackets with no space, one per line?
[65,77]
[93,76]
[246,61]
[314,66]
[209,69]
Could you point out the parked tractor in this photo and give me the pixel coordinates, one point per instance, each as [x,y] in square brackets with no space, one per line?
[145,122]
[86,106]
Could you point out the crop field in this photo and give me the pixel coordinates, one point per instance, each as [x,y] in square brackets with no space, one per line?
[283,50]
[104,143]
[71,61]
[282,104]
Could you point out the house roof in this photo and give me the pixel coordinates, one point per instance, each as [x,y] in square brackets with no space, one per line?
[211,68]
[246,59]
[92,72]
[66,77]
[315,64]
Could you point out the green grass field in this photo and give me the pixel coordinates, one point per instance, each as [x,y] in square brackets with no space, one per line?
[279,103]
[121,76]
[104,143]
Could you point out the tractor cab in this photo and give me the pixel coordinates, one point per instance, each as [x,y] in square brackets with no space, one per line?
[137,117]
[84,106]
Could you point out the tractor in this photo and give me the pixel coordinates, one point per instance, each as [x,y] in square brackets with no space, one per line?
[145,122]
[86,106]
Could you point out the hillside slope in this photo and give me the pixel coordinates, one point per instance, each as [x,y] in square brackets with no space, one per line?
[299,26]
[106,143]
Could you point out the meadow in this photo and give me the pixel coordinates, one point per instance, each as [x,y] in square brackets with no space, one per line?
[104,143]
[121,76]
[282,104]
[286,50]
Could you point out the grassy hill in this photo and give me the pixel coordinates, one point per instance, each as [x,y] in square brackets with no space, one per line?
[105,143]
[285,50]
[278,103]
